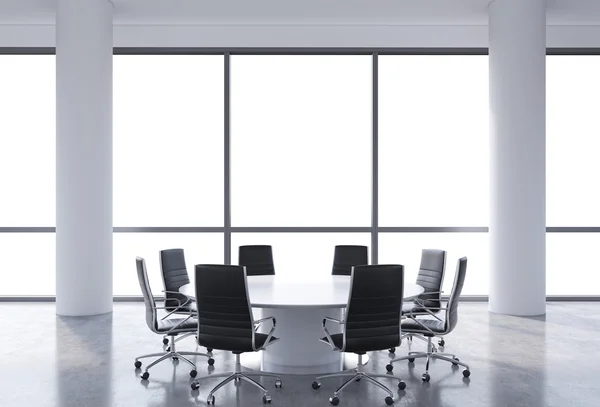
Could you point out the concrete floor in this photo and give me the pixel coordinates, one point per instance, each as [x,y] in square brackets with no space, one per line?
[47,360]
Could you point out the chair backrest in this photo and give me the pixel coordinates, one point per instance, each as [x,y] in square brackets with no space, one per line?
[258,260]
[224,312]
[174,275]
[345,257]
[431,276]
[150,304]
[459,281]
[374,307]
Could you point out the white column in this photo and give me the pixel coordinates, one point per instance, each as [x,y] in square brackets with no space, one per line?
[517,63]
[84,157]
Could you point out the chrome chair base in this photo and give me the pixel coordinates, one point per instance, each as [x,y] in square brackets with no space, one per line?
[237,376]
[356,375]
[430,354]
[171,353]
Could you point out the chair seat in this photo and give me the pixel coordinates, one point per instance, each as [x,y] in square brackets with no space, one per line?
[412,326]
[414,308]
[364,345]
[188,326]
[233,344]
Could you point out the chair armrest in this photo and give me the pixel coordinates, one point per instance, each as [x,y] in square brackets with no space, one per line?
[179,304]
[337,321]
[269,335]
[328,335]
[429,311]
[258,321]
[172,312]
[180,322]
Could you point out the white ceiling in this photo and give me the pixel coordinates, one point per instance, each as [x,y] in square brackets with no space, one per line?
[274,12]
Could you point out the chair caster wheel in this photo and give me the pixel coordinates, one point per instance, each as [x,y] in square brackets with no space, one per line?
[193,373]
[389,367]
[334,400]
[401,385]
[209,350]
[165,341]
[145,376]
[167,349]
[411,360]
[211,361]
[137,364]
[441,342]
[278,384]
[196,386]
[389,401]
[455,364]
[392,350]
[316,385]
[267,399]
[426,377]
[466,373]
[210,400]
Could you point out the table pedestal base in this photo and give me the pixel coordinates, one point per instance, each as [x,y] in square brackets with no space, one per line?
[299,350]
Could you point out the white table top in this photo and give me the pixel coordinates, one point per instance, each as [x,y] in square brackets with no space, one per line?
[290,292]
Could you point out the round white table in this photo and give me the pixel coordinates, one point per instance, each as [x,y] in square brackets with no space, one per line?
[299,305]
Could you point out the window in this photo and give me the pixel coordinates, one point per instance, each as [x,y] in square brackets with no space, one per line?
[572,145]
[28,264]
[300,253]
[433,140]
[168,140]
[27,140]
[571,267]
[301,129]
[405,249]
[198,248]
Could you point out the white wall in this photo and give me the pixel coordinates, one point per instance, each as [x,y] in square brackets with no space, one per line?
[43,35]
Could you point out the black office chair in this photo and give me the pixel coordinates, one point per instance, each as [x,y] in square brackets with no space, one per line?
[226,322]
[431,278]
[170,327]
[372,322]
[435,326]
[174,275]
[258,260]
[345,257]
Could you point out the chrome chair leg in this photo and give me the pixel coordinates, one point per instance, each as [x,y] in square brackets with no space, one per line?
[357,375]
[454,361]
[430,355]
[171,353]
[160,359]
[238,375]
[343,374]
[345,384]
[380,385]
[189,362]
[263,374]
[150,355]
[221,384]
[412,355]
[252,381]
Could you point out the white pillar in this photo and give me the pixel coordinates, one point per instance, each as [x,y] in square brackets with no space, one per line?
[517,63]
[84,157]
